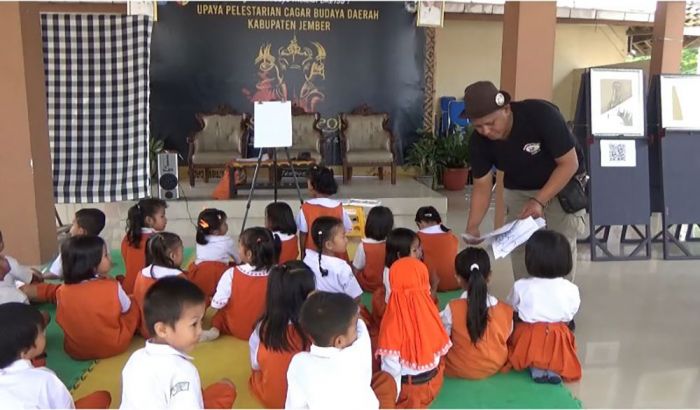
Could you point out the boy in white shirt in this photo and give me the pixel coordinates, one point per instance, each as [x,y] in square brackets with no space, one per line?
[337,371]
[12,272]
[21,384]
[161,375]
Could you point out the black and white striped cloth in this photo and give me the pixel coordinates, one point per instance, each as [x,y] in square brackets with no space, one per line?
[97,85]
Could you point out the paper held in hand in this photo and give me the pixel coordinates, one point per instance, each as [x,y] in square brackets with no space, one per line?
[509,236]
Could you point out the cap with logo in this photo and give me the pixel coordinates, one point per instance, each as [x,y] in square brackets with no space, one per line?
[482,98]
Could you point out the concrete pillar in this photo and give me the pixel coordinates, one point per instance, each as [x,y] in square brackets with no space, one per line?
[527,60]
[27,217]
[667,40]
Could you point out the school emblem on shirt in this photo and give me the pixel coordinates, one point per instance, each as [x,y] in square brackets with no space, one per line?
[179,387]
[532,148]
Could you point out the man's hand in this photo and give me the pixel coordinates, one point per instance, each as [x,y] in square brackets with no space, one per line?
[473,232]
[532,208]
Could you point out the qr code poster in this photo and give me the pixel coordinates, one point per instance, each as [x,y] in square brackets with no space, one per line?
[618,153]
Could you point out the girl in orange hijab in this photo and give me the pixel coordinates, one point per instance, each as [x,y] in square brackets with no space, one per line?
[411,337]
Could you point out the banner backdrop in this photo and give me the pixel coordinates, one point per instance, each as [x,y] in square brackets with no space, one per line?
[324,57]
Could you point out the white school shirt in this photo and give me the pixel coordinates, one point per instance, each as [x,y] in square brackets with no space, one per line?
[432,230]
[57,266]
[27,387]
[159,272]
[446,314]
[284,237]
[219,248]
[360,259]
[326,203]
[340,278]
[223,288]
[8,287]
[545,300]
[160,377]
[331,378]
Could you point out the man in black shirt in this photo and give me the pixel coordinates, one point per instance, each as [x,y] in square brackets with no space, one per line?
[529,141]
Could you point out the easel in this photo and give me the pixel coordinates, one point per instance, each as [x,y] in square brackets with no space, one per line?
[274,173]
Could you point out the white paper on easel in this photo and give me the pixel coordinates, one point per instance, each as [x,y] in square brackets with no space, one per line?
[273,124]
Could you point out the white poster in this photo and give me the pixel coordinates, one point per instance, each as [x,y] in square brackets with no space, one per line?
[680,102]
[617,102]
[618,153]
[273,124]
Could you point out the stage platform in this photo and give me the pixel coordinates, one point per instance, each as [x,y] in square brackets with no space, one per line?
[404,199]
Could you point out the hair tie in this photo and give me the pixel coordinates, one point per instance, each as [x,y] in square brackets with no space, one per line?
[429,215]
[320,233]
[474,267]
[258,240]
[203,224]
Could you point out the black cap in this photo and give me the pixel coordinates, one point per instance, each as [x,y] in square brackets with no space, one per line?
[482,98]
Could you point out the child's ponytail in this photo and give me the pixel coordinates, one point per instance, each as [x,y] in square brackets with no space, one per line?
[261,244]
[209,220]
[136,218]
[430,214]
[321,232]
[474,267]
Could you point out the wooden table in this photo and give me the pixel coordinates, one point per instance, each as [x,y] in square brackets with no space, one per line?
[274,175]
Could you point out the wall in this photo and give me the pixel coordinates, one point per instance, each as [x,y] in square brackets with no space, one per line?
[469,50]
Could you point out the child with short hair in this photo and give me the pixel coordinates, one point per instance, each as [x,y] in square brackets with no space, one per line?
[545,302]
[97,317]
[164,254]
[23,386]
[278,335]
[370,256]
[87,221]
[412,339]
[333,274]
[322,186]
[439,247]
[337,370]
[11,272]
[215,251]
[478,324]
[240,295]
[144,219]
[161,374]
[279,218]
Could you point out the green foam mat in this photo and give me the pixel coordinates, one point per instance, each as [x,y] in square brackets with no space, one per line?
[71,371]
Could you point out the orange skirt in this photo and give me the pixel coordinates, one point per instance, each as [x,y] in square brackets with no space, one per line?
[206,276]
[547,346]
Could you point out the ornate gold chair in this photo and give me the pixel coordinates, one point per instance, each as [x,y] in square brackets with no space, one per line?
[366,140]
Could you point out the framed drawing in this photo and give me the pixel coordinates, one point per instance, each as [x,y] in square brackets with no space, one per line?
[680,102]
[617,103]
[430,13]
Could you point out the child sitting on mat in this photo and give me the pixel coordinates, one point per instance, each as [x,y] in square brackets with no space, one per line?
[97,317]
[216,251]
[439,247]
[23,386]
[161,374]
[164,254]
[337,370]
[370,256]
[279,219]
[278,335]
[322,185]
[143,220]
[546,302]
[478,324]
[412,339]
[333,274]
[240,294]
[10,273]
[86,222]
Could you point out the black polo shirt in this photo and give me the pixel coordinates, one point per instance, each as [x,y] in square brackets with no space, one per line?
[527,157]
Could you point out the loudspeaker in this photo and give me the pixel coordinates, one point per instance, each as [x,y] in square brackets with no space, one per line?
[167,176]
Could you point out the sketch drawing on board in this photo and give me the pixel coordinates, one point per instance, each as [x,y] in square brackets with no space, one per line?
[617,102]
[680,102]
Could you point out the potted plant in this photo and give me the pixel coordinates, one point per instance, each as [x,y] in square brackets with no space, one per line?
[453,158]
[423,156]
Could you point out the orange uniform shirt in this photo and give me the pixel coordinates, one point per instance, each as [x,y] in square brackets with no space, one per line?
[240,298]
[91,317]
[134,261]
[439,252]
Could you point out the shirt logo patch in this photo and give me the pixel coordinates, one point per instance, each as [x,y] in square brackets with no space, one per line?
[532,148]
[179,387]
